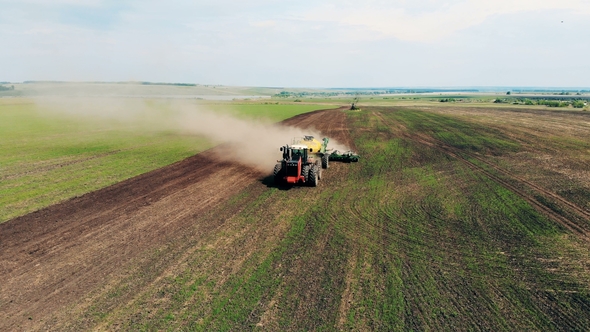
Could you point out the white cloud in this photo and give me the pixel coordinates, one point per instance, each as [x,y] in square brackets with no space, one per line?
[432,20]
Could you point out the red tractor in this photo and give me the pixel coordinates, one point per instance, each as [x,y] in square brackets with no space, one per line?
[302,162]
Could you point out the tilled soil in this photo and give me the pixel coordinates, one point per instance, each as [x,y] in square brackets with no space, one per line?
[50,260]
[59,262]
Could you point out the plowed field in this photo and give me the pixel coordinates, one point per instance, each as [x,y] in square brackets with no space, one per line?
[456,219]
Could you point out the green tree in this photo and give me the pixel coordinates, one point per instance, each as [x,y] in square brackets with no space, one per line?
[578,104]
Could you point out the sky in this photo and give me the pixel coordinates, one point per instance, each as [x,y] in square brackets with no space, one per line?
[303,43]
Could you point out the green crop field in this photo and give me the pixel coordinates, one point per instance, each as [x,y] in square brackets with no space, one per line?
[421,234]
[47,157]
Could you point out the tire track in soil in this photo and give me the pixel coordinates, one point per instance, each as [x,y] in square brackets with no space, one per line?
[52,258]
[567,223]
[458,155]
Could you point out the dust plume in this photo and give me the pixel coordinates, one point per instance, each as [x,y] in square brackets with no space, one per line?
[251,142]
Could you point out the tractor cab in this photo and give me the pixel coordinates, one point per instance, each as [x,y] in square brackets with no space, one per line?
[299,152]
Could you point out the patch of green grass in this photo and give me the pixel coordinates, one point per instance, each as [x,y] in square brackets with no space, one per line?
[46,158]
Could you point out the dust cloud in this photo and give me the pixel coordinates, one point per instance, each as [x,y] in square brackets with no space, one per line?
[254,143]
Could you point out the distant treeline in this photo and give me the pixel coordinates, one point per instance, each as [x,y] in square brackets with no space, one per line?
[404,90]
[288,94]
[556,97]
[556,101]
[362,92]
[561,92]
[6,88]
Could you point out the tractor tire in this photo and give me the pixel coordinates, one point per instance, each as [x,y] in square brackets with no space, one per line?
[277,173]
[305,172]
[277,169]
[313,176]
[326,160]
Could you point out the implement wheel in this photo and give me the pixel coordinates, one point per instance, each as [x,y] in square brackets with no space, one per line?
[314,176]
[326,160]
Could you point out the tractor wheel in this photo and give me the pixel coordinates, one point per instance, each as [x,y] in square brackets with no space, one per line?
[305,172]
[326,160]
[277,173]
[313,176]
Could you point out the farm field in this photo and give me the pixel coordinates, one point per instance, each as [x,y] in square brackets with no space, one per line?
[47,157]
[456,218]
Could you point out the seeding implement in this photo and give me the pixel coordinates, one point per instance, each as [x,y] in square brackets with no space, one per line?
[346,157]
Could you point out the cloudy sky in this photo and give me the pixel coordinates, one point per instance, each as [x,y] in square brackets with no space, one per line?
[303,43]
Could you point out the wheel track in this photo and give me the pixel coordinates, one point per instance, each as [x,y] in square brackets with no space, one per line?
[567,223]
